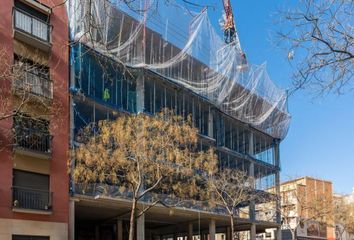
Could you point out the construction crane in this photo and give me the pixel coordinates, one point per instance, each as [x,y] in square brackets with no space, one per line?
[230,31]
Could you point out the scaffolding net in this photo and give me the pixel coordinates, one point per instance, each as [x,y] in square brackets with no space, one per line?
[182,45]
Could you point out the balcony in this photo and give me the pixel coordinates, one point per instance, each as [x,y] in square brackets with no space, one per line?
[35,83]
[31,30]
[32,142]
[31,200]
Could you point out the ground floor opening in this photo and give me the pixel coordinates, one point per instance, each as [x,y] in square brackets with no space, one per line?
[108,219]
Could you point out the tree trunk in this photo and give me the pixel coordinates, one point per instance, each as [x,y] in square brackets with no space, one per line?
[233,237]
[293,234]
[132,220]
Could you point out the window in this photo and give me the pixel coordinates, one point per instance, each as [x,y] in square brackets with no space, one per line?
[31,190]
[171,99]
[149,96]
[32,134]
[33,76]
[102,79]
[30,180]
[31,21]
[159,97]
[263,148]
[205,120]
[230,134]
[180,103]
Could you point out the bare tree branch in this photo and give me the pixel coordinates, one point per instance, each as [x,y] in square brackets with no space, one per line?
[319,38]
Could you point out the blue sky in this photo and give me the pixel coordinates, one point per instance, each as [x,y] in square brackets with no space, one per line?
[320,141]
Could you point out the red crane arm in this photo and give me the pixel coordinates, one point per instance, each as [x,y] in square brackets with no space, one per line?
[230,31]
[229,21]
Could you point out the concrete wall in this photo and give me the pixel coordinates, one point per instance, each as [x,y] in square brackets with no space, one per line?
[55,230]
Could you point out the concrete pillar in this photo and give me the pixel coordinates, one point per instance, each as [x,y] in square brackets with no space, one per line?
[190,231]
[140,99]
[278,234]
[212,229]
[202,236]
[252,213]
[253,232]
[210,124]
[71,219]
[140,228]
[250,146]
[277,181]
[252,207]
[228,233]
[276,153]
[119,229]
[97,232]
[251,174]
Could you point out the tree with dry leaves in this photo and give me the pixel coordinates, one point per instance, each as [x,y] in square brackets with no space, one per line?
[343,217]
[318,36]
[146,157]
[231,189]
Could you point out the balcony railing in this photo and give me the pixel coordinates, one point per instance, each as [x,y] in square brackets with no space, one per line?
[30,24]
[35,199]
[35,83]
[33,139]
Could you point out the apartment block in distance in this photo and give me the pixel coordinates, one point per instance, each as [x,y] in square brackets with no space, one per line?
[307,208]
[34,134]
[341,231]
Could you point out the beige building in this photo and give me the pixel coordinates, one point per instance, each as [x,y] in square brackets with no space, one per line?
[341,232]
[306,210]
[307,207]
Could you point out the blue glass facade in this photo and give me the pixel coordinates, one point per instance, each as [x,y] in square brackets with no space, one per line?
[107,90]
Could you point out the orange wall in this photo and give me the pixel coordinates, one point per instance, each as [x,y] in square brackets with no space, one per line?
[59,69]
[312,190]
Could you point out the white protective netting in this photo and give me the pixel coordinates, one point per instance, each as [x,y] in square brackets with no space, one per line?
[182,46]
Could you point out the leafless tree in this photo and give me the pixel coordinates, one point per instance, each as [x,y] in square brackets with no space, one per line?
[26,91]
[231,189]
[318,35]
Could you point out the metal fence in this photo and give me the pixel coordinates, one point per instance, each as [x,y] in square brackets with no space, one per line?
[35,83]
[33,139]
[28,198]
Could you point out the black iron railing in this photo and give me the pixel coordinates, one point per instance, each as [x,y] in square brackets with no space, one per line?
[27,23]
[33,139]
[27,198]
[35,83]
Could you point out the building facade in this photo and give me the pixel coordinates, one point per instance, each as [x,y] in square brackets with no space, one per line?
[342,232]
[239,147]
[307,208]
[34,128]
[121,65]
[106,84]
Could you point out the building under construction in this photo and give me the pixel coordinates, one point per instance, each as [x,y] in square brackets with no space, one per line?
[143,57]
